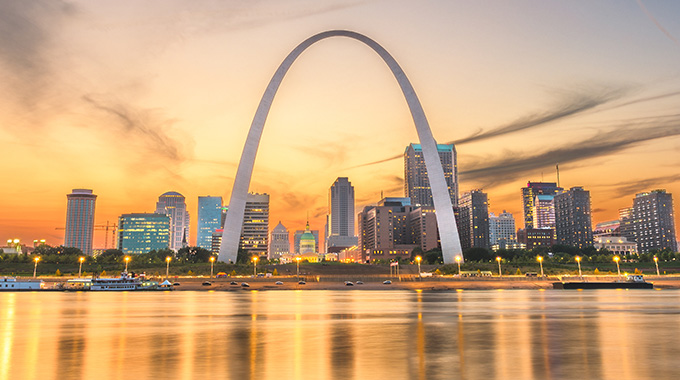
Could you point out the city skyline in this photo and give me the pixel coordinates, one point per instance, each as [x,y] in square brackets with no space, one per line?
[575,95]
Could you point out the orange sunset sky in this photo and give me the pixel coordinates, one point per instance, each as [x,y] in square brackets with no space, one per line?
[133,99]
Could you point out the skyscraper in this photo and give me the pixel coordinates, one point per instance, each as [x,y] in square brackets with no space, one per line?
[209,218]
[340,233]
[573,222]
[279,242]
[255,230]
[473,218]
[141,233]
[80,220]
[501,228]
[172,204]
[529,194]
[653,221]
[416,181]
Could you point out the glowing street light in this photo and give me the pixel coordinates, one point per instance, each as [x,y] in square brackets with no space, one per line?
[498,258]
[81,259]
[167,267]
[212,262]
[618,269]
[35,267]
[254,266]
[418,259]
[127,260]
[458,258]
[540,261]
[578,261]
[298,268]
[656,262]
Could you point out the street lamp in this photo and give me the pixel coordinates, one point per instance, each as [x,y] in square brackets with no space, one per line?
[127,260]
[212,262]
[618,269]
[498,258]
[35,268]
[578,261]
[418,258]
[458,261]
[81,259]
[167,267]
[540,261]
[298,268]
[656,262]
[254,266]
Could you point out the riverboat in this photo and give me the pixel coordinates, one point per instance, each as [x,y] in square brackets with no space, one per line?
[123,283]
[11,283]
[632,282]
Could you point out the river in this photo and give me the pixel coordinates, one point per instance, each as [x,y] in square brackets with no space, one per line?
[512,334]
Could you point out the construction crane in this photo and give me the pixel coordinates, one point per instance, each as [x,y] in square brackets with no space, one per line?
[104,227]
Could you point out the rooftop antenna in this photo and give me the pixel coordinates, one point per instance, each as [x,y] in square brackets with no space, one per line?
[557,167]
[381,195]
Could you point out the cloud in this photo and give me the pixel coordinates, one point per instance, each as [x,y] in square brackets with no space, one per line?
[657,23]
[575,103]
[627,188]
[145,126]
[497,170]
[27,38]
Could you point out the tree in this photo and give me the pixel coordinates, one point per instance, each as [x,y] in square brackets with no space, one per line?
[275,273]
[477,254]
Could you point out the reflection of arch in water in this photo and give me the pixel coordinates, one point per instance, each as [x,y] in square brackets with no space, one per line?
[448,232]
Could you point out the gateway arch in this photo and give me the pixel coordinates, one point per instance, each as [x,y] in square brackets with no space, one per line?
[446,222]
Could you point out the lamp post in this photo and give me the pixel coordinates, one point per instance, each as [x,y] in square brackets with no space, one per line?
[212,263]
[167,267]
[540,261]
[35,267]
[254,266]
[418,259]
[81,259]
[127,260]
[618,269]
[578,261]
[297,259]
[498,258]
[656,262]
[458,261]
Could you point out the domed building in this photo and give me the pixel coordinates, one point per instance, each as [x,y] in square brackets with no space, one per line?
[307,241]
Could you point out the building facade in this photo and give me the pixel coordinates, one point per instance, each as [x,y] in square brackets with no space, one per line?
[209,218]
[653,223]
[340,229]
[279,242]
[529,194]
[80,220]
[393,228]
[573,222]
[473,219]
[173,205]
[255,230]
[416,182]
[140,233]
[617,245]
[502,229]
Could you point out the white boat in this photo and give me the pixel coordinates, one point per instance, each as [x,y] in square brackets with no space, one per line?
[124,282]
[11,283]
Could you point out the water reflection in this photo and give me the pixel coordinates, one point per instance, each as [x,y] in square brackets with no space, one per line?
[340,335]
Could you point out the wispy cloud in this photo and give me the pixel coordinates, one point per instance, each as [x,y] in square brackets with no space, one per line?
[28,46]
[657,23]
[510,166]
[146,126]
[573,104]
[634,186]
